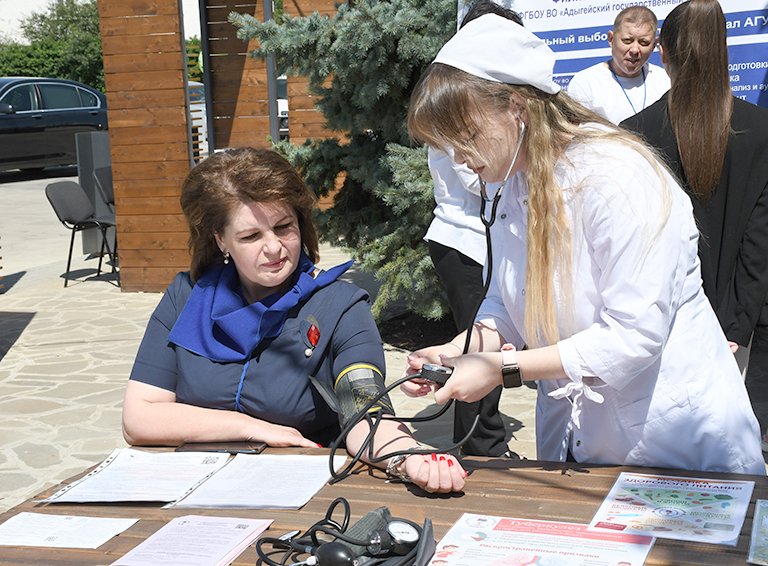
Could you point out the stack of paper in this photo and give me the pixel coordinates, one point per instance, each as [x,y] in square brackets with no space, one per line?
[60,531]
[136,475]
[263,482]
[203,479]
[196,541]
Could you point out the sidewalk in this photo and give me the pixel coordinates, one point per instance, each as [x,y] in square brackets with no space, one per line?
[65,355]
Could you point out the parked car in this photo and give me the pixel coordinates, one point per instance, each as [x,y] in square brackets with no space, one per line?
[282,106]
[39,118]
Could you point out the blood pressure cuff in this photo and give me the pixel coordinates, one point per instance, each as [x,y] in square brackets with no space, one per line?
[355,386]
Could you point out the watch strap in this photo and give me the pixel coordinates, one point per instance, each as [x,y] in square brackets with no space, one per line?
[394,468]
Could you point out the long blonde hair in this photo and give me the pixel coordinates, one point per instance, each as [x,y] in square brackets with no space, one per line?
[448,109]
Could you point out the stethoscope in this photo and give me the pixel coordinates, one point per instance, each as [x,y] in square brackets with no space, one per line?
[398,540]
[488,222]
[374,418]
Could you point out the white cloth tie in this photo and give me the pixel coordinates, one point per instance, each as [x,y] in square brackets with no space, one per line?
[573,392]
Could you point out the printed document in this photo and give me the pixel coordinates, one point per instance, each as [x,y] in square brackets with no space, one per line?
[60,531]
[196,541]
[135,475]
[483,540]
[264,481]
[758,544]
[695,509]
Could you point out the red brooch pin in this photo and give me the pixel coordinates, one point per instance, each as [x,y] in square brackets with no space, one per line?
[310,334]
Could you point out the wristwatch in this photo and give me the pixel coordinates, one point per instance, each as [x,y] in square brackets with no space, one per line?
[510,371]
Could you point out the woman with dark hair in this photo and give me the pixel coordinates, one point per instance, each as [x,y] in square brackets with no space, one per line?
[594,270]
[718,146]
[249,344]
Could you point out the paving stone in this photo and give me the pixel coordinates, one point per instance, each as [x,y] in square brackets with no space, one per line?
[54,367]
[38,455]
[28,406]
[82,391]
[112,394]
[69,434]
[12,481]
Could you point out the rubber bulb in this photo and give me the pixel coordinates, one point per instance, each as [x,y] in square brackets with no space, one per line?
[335,554]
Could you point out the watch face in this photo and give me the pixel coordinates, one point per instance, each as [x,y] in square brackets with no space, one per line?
[511,376]
[402,531]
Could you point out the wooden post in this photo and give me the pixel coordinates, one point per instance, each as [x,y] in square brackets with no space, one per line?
[144,75]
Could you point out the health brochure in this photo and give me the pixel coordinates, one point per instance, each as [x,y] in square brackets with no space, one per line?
[694,509]
[484,540]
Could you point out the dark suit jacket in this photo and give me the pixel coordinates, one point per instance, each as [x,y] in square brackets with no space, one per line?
[733,246]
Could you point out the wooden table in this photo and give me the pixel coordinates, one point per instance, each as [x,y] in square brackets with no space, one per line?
[524,489]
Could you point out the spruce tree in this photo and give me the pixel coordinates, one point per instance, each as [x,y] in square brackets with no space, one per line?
[363,64]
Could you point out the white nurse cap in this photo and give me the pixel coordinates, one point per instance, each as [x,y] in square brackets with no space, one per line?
[497,49]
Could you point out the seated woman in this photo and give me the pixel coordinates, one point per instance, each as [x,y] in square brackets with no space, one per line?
[229,351]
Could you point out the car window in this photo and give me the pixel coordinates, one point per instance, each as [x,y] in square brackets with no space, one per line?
[89,99]
[196,94]
[22,98]
[282,88]
[57,97]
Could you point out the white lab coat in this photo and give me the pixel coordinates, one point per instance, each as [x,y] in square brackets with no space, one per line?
[457,221]
[642,334]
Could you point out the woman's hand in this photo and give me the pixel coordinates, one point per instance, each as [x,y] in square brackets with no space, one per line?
[430,355]
[473,377]
[281,436]
[734,346]
[435,473]
[152,417]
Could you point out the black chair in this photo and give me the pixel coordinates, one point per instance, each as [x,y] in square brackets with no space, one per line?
[102,178]
[75,211]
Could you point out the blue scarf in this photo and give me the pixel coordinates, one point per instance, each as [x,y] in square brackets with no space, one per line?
[217,322]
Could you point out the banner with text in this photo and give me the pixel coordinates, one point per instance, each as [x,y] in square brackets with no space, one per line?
[577,31]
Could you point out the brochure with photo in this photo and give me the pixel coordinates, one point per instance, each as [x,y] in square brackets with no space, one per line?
[483,540]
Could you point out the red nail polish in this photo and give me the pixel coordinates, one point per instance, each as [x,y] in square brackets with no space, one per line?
[450,463]
[442,458]
[434,457]
[465,473]
[319,445]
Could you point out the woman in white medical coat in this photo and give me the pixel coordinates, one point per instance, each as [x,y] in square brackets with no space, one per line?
[594,267]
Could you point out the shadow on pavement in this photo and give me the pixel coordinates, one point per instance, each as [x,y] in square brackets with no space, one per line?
[439,432]
[12,324]
[32,174]
[84,275]
[8,281]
